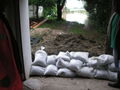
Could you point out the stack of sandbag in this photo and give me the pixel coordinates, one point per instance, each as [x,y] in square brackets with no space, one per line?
[65,64]
[72,64]
[40,63]
[104,67]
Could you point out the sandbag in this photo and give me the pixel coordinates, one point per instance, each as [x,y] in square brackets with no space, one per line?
[40,58]
[101,62]
[37,70]
[62,63]
[64,55]
[112,76]
[51,70]
[112,67]
[102,74]
[87,72]
[92,62]
[64,72]
[75,65]
[97,63]
[83,56]
[51,59]
[105,59]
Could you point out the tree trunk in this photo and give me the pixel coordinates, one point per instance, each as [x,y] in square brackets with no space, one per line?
[37,7]
[59,12]
[60,5]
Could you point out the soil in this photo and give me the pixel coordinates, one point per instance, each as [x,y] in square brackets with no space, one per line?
[55,41]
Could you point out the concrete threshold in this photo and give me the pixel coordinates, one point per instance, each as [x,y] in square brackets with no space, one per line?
[57,83]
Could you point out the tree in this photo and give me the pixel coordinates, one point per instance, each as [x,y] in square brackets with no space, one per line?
[47,4]
[99,11]
[60,5]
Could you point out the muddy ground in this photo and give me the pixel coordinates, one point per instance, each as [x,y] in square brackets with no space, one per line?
[55,41]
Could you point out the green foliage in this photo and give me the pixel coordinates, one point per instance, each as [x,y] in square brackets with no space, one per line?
[53,24]
[48,5]
[99,12]
[44,3]
[52,8]
[50,12]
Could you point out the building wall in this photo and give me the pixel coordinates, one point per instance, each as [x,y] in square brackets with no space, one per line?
[25,34]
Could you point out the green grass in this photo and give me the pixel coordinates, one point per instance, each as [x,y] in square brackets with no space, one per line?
[74,27]
[77,31]
[77,28]
[53,24]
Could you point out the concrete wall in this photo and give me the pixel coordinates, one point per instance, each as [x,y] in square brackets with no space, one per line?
[32,9]
[25,34]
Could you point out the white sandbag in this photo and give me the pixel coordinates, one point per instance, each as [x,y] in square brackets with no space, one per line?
[37,70]
[75,65]
[51,70]
[105,59]
[96,63]
[92,62]
[112,67]
[64,56]
[83,56]
[51,59]
[112,76]
[62,63]
[102,61]
[40,58]
[102,74]
[86,72]
[64,72]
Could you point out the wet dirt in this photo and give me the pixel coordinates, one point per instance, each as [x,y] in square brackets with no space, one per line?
[55,41]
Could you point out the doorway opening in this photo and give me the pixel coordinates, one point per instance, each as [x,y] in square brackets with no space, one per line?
[66,36]
[63,35]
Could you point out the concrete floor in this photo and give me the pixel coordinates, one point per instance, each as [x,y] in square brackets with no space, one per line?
[56,83]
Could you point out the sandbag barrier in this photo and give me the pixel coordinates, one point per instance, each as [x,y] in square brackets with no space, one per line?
[74,64]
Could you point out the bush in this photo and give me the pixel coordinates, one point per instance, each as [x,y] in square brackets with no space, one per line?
[99,12]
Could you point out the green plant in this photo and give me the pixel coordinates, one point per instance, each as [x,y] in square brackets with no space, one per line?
[99,12]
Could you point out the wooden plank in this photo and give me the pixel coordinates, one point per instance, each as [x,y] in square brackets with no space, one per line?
[40,23]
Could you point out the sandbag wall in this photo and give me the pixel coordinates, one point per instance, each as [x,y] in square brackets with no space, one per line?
[74,64]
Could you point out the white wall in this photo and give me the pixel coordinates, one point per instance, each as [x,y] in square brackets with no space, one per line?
[25,34]
[32,10]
